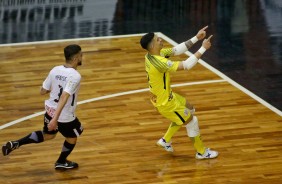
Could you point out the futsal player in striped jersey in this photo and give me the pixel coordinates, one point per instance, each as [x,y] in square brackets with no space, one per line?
[169,104]
[63,84]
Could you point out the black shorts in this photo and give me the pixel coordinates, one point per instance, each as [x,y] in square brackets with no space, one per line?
[70,129]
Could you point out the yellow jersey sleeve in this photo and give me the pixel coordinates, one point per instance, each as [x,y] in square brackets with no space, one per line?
[166,52]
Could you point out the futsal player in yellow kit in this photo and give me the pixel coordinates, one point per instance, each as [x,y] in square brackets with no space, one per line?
[172,105]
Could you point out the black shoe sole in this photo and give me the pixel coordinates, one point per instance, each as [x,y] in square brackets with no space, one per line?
[5,150]
[65,168]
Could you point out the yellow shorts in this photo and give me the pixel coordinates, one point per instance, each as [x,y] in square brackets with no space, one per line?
[175,110]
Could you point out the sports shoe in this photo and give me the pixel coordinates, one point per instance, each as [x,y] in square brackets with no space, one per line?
[166,145]
[207,155]
[9,147]
[67,165]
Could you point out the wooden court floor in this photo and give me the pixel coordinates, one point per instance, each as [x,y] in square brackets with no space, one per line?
[122,127]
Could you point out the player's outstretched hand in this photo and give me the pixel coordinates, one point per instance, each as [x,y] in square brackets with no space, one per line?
[207,42]
[202,33]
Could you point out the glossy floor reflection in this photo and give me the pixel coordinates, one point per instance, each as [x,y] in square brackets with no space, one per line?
[247,40]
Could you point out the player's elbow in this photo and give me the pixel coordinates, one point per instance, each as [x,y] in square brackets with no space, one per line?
[43,91]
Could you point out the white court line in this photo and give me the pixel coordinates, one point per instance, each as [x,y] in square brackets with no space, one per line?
[106,97]
[68,40]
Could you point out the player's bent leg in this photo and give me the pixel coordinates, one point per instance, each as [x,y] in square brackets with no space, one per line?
[172,129]
[193,132]
[165,141]
[192,126]
[71,140]
[49,136]
[71,131]
[34,137]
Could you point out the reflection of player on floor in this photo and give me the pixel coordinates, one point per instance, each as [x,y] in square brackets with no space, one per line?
[171,105]
[63,85]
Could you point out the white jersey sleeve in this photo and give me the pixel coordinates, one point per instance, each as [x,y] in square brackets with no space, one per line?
[73,82]
[47,83]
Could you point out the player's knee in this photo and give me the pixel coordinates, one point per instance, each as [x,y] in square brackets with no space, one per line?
[71,140]
[49,136]
[193,127]
[39,136]
[188,120]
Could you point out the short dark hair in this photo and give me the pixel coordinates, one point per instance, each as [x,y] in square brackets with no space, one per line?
[71,50]
[146,39]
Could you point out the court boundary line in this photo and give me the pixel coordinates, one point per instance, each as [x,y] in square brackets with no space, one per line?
[108,96]
[71,40]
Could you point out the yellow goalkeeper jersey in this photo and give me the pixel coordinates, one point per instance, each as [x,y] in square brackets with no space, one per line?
[158,70]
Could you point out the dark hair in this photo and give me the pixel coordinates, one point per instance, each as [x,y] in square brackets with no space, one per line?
[146,39]
[71,50]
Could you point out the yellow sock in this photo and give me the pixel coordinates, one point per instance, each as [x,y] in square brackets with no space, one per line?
[172,129]
[198,144]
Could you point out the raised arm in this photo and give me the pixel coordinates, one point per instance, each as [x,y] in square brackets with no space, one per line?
[193,59]
[184,46]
